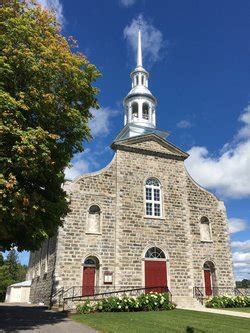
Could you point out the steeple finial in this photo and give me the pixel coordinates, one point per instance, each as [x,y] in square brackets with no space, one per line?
[139,52]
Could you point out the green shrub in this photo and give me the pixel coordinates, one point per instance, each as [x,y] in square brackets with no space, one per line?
[148,302]
[228,302]
[85,307]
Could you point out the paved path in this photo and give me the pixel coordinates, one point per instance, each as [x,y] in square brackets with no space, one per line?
[218,311]
[37,319]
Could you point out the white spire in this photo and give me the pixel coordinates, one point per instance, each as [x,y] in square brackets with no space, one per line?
[139,52]
[140,104]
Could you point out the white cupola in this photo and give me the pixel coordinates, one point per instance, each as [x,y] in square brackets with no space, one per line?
[140,104]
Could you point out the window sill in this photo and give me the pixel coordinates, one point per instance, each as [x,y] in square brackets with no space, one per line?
[154,217]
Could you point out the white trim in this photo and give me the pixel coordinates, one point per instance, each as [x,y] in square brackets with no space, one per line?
[152,201]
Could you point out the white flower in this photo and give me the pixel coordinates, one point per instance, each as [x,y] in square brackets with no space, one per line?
[155,303]
[119,307]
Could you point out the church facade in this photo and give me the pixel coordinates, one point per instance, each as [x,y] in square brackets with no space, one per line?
[139,222]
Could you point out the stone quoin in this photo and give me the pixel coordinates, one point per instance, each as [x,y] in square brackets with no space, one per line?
[140,221]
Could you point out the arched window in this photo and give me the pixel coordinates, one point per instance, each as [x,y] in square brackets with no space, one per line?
[137,79]
[90,262]
[153,197]
[155,253]
[135,110]
[205,229]
[145,111]
[142,80]
[94,220]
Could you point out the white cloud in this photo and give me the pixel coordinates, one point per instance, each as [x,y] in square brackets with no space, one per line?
[241,265]
[184,124]
[243,246]
[127,3]
[55,6]
[241,260]
[241,257]
[236,225]
[81,163]
[244,132]
[101,122]
[229,173]
[152,39]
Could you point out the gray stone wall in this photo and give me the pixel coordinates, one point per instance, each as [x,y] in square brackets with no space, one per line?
[136,233]
[203,203]
[126,233]
[74,245]
[42,277]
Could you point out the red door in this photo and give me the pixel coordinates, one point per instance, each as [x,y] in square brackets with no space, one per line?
[208,285]
[88,281]
[155,275]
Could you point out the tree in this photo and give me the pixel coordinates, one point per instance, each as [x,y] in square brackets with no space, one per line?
[12,265]
[245,283]
[1,259]
[46,93]
[11,271]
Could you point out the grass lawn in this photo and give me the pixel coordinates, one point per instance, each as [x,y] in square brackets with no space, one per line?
[238,309]
[165,321]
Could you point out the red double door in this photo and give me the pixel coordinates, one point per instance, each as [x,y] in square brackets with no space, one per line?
[155,275]
[88,281]
[208,283]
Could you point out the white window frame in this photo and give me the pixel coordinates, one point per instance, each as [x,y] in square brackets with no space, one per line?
[153,201]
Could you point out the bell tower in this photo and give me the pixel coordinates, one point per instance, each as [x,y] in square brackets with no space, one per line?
[140,104]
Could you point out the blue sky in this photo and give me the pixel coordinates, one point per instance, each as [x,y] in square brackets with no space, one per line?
[197,53]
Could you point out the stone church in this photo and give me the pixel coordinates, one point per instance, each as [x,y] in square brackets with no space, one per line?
[141,221]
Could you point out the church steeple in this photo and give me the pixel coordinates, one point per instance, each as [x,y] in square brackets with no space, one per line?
[140,104]
[139,52]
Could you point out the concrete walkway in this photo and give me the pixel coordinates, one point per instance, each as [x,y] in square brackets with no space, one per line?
[37,319]
[218,311]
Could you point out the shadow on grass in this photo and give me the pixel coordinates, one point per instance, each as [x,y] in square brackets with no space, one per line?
[193,330]
[14,318]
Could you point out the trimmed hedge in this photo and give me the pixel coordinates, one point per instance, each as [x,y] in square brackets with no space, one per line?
[228,302]
[148,302]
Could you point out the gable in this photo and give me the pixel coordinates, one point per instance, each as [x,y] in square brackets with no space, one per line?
[153,146]
[150,144]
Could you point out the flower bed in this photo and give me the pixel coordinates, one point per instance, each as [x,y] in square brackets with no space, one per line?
[228,302]
[148,302]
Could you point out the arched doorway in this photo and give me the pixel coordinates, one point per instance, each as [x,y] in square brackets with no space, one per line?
[90,276]
[209,278]
[155,270]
